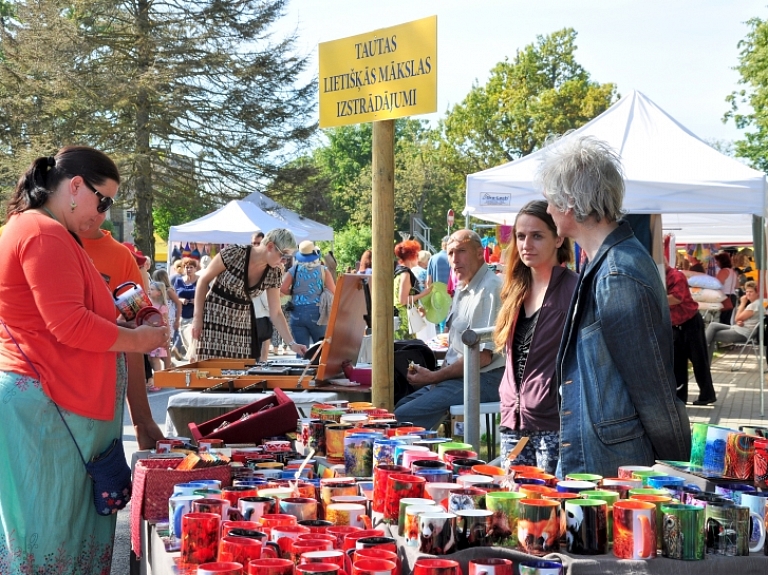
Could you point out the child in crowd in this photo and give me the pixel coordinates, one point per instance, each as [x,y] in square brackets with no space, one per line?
[174,314]
[157,295]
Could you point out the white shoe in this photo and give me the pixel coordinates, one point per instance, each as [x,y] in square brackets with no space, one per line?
[280,350]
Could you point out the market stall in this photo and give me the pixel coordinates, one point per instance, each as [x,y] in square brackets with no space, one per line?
[352,443]
[668,170]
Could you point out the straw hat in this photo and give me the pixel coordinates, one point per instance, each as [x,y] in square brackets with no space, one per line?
[307,252]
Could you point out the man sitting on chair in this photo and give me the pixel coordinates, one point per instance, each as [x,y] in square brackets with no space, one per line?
[475,304]
[745,319]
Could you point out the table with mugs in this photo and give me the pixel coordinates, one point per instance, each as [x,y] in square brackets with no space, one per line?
[379,497]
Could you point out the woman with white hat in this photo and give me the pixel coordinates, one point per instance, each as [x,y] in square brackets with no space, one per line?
[305,282]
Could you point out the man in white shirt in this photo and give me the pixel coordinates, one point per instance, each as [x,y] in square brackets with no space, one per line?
[475,304]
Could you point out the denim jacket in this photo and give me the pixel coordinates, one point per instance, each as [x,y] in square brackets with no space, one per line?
[614,366]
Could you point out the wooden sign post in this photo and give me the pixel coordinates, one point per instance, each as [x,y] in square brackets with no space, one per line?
[382,292]
[376,77]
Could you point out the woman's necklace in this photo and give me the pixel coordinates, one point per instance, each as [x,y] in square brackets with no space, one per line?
[47,211]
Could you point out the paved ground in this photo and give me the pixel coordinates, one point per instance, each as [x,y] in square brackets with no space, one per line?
[738,394]
[738,403]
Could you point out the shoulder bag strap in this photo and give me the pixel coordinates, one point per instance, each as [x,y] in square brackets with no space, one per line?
[37,373]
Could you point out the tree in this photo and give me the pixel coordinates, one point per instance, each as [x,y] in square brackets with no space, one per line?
[349,245]
[542,91]
[342,175]
[195,100]
[753,67]
[43,99]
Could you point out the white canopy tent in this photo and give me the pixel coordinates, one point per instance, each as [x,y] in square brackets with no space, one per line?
[234,223]
[668,170]
[291,220]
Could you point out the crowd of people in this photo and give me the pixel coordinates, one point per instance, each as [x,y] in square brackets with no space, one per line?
[591,367]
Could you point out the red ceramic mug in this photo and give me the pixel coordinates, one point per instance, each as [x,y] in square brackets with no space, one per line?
[340,532]
[319,569]
[227,526]
[220,568]
[431,566]
[242,549]
[300,546]
[374,567]
[335,556]
[270,567]
[350,540]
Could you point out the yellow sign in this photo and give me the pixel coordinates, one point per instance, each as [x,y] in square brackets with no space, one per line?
[385,74]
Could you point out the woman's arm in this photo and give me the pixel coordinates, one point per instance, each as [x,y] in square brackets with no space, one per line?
[176,302]
[742,313]
[203,284]
[142,339]
[285,289]
[405,288]
[278,320]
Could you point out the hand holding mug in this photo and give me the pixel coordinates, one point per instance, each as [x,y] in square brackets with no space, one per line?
[149,338]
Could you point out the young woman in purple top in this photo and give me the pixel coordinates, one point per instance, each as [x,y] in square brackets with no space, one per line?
[536,296]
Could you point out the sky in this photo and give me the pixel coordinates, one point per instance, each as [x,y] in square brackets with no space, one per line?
[679,53]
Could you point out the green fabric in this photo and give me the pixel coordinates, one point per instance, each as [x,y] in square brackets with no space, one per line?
[403,331]
[48,522]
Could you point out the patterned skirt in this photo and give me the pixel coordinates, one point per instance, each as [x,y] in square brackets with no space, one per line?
[48,522]
[227,328]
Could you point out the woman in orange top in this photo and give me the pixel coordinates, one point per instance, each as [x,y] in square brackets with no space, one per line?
[59,342]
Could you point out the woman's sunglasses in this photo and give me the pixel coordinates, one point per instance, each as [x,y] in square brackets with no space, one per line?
[105,202]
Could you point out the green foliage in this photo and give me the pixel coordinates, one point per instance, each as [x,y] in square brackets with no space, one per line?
[542,91]
[749,106]
[197,102]
[343,176]
[166,215]
[349,245]
[107,225]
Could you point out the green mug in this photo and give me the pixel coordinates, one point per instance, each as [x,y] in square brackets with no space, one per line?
[682,531]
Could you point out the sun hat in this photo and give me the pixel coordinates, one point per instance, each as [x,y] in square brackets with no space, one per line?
[437,303]
[307,252]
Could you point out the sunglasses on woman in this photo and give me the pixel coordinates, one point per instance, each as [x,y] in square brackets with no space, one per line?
[105,202]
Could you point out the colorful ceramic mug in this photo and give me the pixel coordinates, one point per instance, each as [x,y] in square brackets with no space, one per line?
[538,527]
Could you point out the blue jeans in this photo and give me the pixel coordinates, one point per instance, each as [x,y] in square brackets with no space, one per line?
[304,326]
[426,407]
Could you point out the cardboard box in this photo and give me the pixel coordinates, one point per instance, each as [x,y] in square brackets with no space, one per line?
[273,415]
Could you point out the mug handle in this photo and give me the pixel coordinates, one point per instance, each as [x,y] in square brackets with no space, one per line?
[755,521]
[178,512]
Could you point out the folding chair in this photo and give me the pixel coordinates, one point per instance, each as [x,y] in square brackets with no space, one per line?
[753,341]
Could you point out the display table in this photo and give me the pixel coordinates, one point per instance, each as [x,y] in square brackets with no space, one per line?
[197,407]
[161,562]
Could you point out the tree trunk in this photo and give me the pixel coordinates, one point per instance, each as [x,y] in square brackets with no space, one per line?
[144,230]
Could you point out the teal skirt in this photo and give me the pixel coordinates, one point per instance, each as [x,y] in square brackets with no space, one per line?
[48,522]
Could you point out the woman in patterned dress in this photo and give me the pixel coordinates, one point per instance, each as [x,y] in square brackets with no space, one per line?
[223,320]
